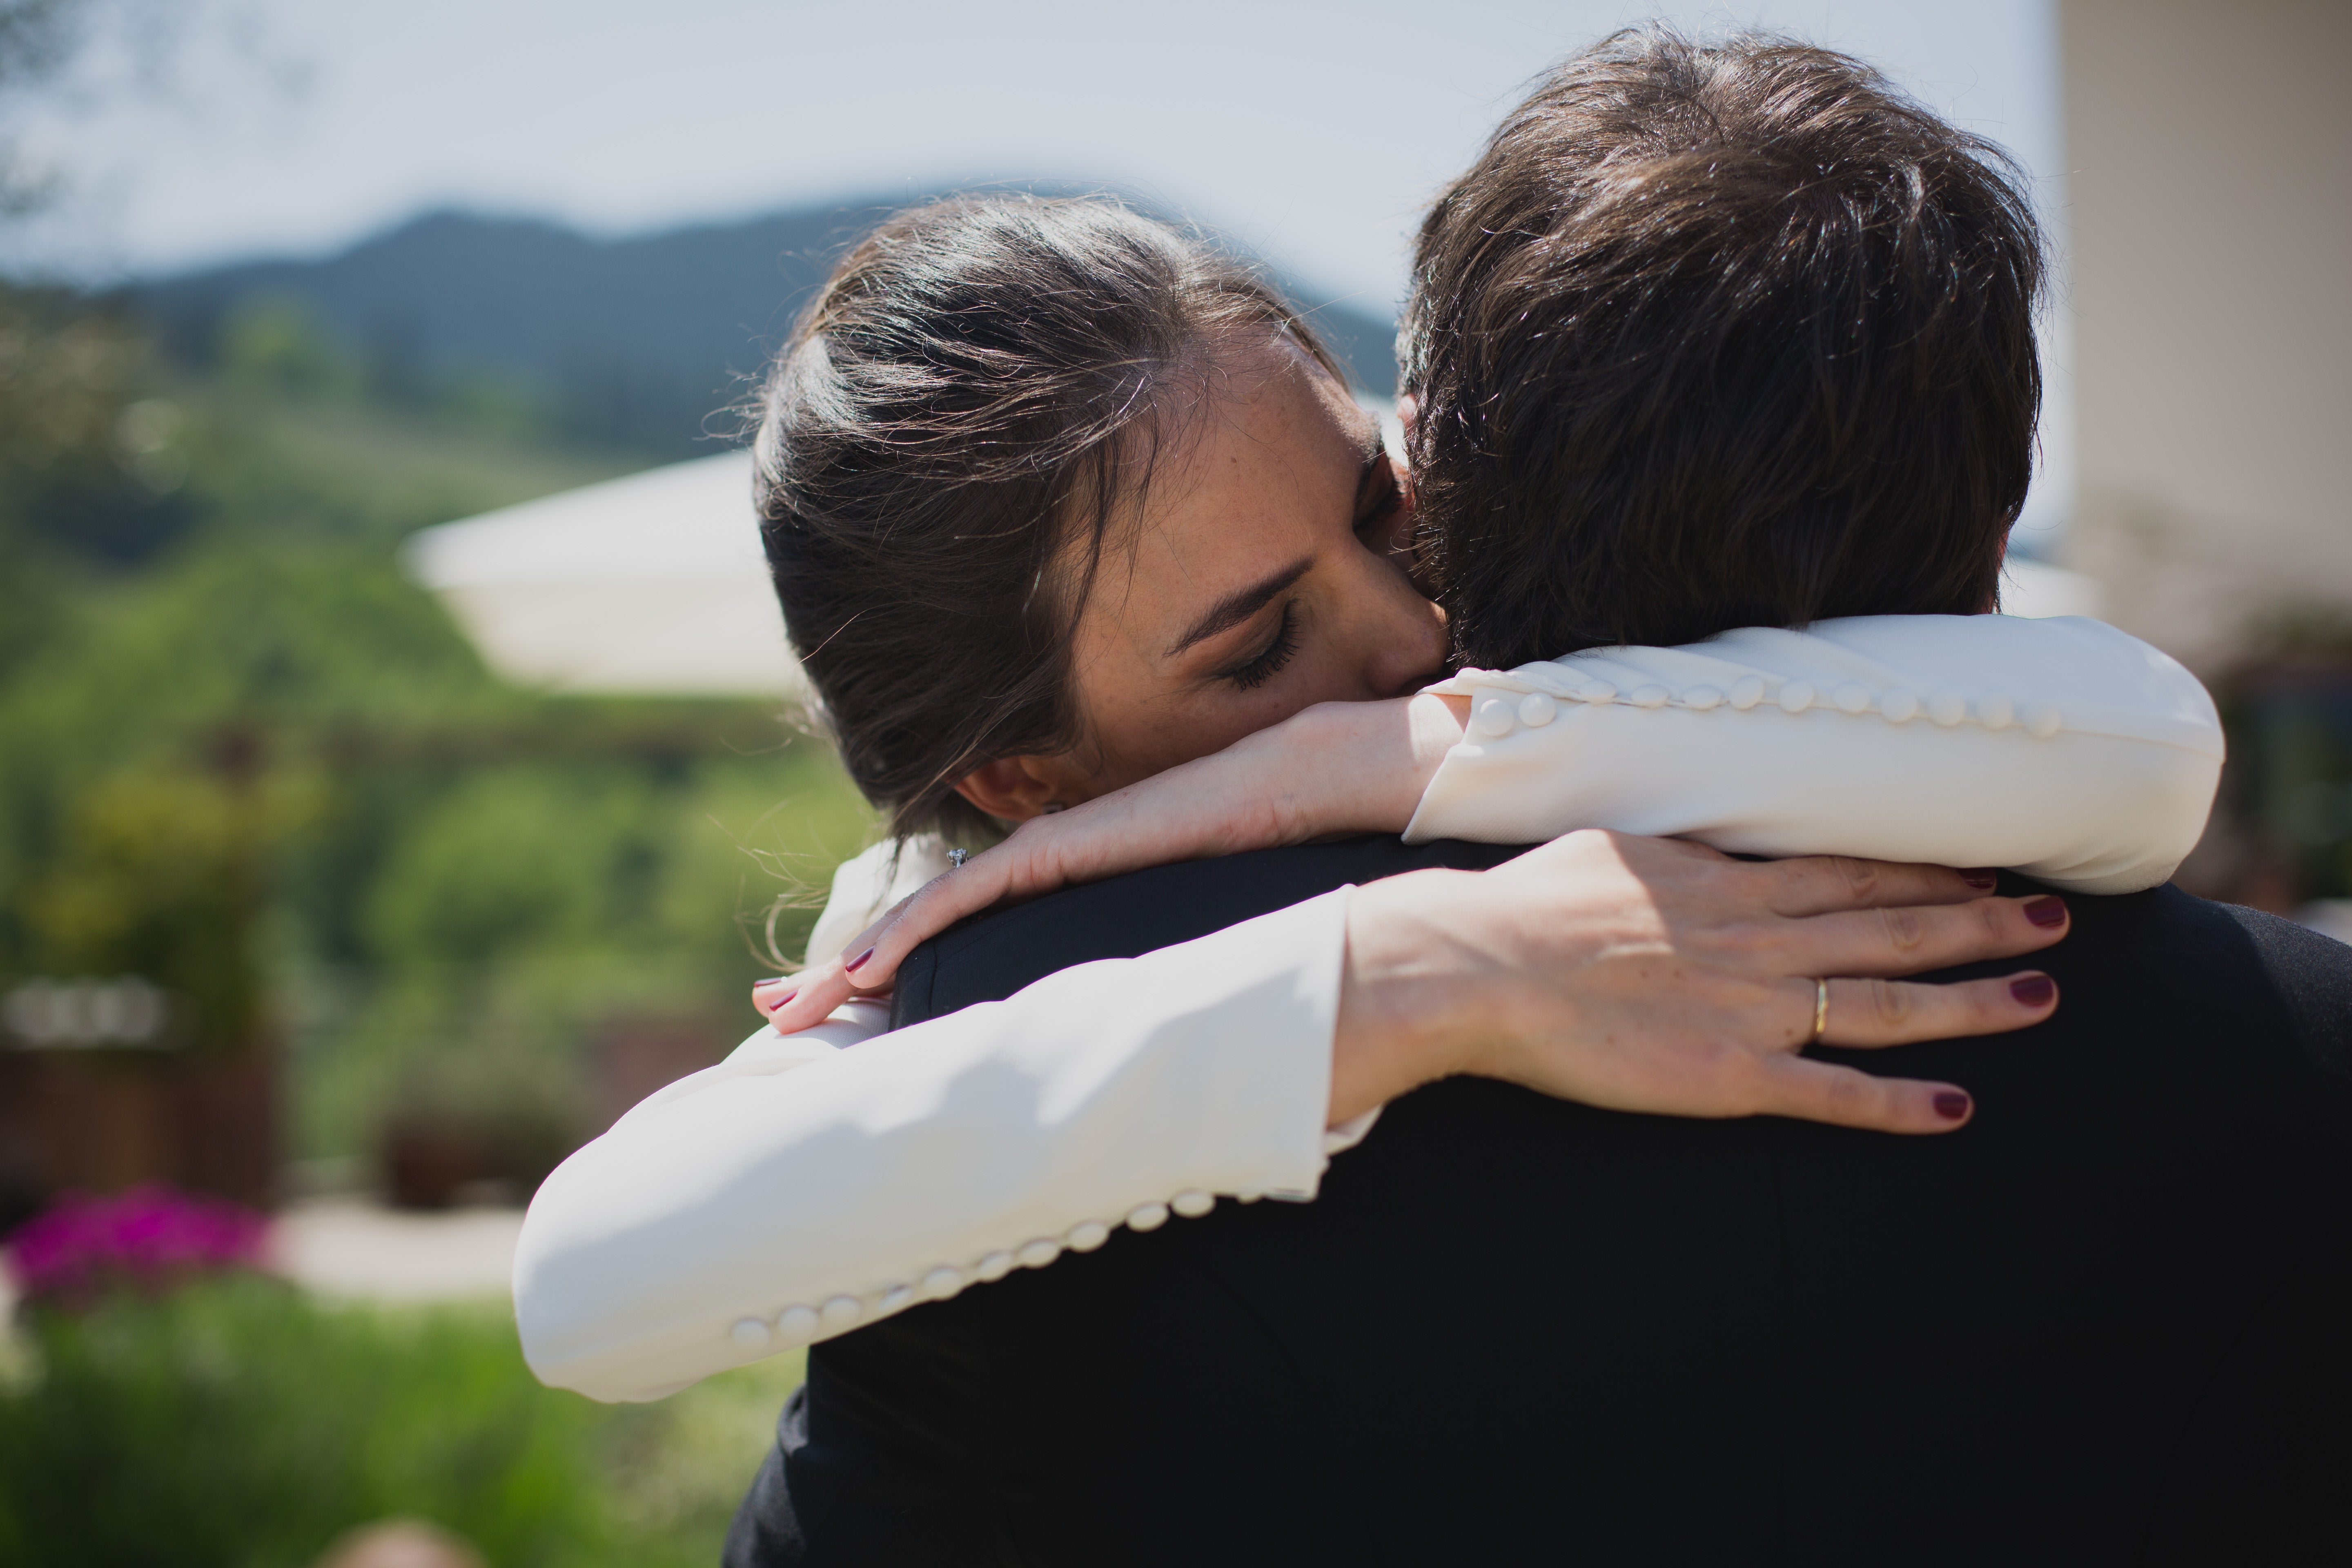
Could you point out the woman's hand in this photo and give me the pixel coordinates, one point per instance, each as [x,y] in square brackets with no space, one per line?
[1340,768]
[1655,976]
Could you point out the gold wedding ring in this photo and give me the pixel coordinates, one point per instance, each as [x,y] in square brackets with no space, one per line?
[1821,1011]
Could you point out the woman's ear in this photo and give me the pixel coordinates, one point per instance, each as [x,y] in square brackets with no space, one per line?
[1013,788]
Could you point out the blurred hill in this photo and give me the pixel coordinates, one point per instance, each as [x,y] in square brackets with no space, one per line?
[630,343]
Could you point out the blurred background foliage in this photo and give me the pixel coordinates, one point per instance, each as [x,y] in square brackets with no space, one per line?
[187,1430]
[241,754]
[243,758]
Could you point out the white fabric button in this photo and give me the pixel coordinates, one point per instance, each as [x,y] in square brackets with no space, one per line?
[1702,698]
[1493,717]
[995,1266]
[1746,692]
[797,1323]
[749,1333]
[1796,696]
[1146,1217]
[1536,709]
[2042,721]
[1087,1234]
[1853,696]
[1192,1203]
[1900,705]
[1038,1253]
[1652,696]
[942,1282]
[897,1297]
[1994,712]
[841,1311]
[1597,691]
[1948,708]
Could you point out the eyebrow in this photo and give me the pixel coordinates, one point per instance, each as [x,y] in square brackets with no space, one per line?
[1240,605]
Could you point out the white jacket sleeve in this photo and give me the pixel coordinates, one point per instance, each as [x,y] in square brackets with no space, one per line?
[798,1190]
[2062,748]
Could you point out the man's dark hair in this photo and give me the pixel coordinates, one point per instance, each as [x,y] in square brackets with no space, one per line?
[1715,336]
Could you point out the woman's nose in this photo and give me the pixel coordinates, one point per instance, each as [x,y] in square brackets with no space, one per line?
[1407,644]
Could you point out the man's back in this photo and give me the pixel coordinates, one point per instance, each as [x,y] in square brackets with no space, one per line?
[2111,1319]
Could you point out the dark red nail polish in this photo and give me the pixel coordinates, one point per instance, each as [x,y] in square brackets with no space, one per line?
[771,980]
[1951,1104]
[784,998]
[1981,877]
[2033,990]
[854,964]
[2046,910]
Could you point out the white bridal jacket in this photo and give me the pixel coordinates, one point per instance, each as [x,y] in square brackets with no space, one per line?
[801,1188]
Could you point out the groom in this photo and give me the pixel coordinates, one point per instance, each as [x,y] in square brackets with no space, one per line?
[1706,338]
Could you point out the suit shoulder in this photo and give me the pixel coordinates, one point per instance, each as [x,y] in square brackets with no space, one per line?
[2312,975]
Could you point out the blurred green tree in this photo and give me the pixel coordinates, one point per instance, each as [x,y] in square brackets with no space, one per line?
[237,1424]
[156,874]
[241,755]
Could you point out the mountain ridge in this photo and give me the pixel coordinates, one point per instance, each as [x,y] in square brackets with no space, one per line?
[633,341]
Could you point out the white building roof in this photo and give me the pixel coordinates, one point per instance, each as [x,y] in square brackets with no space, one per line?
[652,584]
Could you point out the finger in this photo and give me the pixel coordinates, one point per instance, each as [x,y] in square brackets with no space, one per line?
[869,961]
[923,914]
[1819,884]
[1908,940]
[1809,1090]
[804,1000]
[1869,1013]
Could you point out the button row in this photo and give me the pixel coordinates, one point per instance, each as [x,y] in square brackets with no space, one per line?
[797,1325]
[1495,717]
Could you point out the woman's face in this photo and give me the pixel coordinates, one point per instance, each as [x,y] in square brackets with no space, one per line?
[1261,576]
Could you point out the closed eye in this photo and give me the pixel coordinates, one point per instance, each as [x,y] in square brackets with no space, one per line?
[1267,662]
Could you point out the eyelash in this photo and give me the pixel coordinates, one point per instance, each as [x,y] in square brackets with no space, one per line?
[1268,664]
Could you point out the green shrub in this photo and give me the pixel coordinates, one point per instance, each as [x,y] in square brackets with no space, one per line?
[239,1424]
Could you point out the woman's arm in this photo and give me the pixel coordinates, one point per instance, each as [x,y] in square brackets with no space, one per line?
[2065,749]
[1336,768]
[772,1202]
[754,1209]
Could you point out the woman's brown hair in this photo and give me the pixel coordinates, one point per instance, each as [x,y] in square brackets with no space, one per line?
[1715,336]
[975,394]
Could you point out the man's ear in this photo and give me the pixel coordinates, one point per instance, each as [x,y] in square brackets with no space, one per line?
[1013,788]
[1409,546]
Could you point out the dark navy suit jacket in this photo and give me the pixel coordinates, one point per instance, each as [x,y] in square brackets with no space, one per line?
[2110,1322]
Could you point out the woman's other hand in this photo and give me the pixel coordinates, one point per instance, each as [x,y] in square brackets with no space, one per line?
[1339,767]
[1653,975]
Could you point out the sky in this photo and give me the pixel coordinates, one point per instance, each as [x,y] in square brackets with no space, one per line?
[1311,133]
[204,131]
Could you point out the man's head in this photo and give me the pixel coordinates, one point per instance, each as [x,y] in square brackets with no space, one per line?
[1718,336]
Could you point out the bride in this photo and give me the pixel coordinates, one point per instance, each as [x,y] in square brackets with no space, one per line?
[1075,526]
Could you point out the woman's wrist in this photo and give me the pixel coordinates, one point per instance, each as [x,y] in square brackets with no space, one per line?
[1410,1012]
[1357,767]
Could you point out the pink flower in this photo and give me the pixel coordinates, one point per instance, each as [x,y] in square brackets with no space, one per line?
[150,1237]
